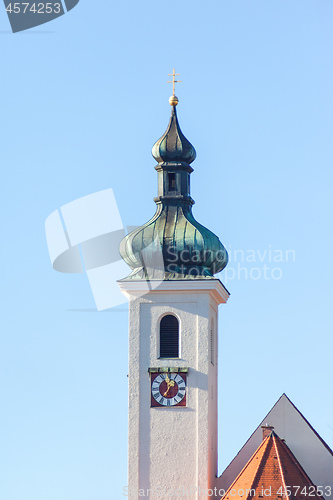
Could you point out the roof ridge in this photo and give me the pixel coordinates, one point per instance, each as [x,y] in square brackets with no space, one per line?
[295,461]
[276,464]
[255,430]
[306,420]
[264,442]
[265,418]
[275,438]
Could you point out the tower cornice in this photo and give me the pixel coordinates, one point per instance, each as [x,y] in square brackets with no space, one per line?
[133,289]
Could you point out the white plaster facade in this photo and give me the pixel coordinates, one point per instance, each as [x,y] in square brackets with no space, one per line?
[173,447]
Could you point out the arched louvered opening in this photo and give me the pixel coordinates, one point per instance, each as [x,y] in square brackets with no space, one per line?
[169,337]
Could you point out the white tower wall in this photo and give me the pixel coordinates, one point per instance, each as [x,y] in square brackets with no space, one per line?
[173,448]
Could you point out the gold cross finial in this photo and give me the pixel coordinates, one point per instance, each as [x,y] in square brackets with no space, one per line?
[174,74]
[173,99]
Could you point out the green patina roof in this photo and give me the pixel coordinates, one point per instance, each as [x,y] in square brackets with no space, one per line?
[173,245]
[173,145]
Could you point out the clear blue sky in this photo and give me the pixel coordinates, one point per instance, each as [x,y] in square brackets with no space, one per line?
[83,99]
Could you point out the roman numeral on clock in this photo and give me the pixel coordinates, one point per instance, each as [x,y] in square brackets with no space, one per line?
[174,388]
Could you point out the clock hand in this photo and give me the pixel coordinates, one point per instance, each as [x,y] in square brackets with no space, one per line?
[166,392]
[171,383]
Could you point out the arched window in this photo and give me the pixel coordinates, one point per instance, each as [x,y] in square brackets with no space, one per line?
[169,337]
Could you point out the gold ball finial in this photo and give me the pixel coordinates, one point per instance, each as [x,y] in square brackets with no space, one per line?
[173,100]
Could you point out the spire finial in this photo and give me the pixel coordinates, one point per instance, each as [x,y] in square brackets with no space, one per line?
[173,99]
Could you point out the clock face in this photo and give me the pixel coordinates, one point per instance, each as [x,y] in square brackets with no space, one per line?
[168,389]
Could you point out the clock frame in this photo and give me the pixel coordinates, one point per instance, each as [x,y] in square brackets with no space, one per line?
[168,389]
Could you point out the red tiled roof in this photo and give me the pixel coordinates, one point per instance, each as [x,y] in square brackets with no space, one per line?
[272,473]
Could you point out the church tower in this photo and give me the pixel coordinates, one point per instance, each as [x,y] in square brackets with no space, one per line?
[173,324]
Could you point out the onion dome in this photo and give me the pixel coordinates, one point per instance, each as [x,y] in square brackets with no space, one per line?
[173,245]
[173,145]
